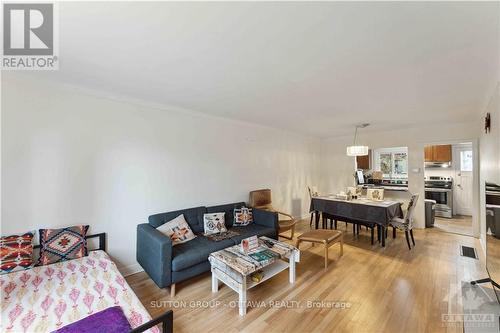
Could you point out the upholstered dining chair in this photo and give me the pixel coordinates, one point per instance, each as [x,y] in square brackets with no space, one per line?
[313,192]
[262,199]
[406,224]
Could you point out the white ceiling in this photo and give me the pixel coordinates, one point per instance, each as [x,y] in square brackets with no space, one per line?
[316,68]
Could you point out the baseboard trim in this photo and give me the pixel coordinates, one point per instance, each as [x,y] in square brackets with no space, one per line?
[305,216]
[130,269]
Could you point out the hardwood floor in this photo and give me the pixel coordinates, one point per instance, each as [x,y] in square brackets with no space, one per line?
[387,289]
[459,224]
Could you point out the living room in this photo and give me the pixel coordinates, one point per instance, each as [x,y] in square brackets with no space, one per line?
[194,112]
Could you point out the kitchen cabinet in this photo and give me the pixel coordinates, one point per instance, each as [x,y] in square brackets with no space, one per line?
[363,162]
[428,153]
[442,153]
[437,153]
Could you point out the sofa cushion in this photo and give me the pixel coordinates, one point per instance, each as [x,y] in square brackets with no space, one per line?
[177,230]
[195,251]
[242,217]
[252,230]
[228,209]
[193,216]
[213,223]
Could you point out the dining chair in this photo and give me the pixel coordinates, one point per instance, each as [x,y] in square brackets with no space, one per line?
[313,192]
[406,224]
[356,225]
[262,199]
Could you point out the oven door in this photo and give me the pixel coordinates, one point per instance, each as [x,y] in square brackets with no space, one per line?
[443,198]
[440,196]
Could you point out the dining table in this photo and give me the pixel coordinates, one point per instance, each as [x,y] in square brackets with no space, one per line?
[361,210]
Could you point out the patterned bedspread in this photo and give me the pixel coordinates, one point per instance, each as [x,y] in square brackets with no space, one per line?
[46,298]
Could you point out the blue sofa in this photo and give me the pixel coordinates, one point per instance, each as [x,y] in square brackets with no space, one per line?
[167,264]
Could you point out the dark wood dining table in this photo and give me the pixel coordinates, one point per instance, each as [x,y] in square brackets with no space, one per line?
[362,211]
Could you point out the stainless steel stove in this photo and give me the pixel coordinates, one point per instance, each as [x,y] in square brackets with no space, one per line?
[440,189]
[492,194]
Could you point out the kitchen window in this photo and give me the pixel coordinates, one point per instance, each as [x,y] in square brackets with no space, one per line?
[393,162]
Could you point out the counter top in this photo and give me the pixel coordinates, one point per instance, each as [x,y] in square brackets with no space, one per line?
[389,188]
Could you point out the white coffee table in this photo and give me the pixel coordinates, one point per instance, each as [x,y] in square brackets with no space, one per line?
[234,268]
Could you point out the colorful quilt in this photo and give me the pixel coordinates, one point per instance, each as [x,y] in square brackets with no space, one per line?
[46,298]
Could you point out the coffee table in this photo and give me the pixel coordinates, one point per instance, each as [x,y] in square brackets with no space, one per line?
[234,268]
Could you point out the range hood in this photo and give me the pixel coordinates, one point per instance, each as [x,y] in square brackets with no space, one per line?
[438,165]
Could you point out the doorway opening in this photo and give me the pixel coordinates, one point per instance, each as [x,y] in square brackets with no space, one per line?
[449,175]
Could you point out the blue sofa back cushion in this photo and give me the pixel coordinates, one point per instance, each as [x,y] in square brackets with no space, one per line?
[193,216]
[228,209]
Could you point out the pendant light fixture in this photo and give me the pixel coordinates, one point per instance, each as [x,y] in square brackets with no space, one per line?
[356,150]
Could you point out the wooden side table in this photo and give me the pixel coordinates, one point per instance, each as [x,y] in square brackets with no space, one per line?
[326,237]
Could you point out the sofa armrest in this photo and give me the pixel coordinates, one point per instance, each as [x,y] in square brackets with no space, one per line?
[154,254]
[265,218]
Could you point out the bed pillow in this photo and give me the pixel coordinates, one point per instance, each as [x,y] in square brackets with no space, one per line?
[177,230]
[213,223]
[16,252]
[242,217]
[110,320]
[62,244]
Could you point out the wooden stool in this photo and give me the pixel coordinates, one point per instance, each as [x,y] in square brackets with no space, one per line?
[326,237]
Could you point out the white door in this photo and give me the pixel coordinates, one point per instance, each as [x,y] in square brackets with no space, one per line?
[462,182]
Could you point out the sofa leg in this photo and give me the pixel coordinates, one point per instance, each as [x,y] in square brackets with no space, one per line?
[172,290]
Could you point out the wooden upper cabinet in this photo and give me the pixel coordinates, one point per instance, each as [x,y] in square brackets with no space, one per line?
[363,162]
[428,153]
[442,153]
[438,153]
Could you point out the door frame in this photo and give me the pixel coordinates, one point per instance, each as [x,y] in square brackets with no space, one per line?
[476,232]
[456,170]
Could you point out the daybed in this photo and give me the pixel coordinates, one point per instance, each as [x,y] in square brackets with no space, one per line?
[47,298]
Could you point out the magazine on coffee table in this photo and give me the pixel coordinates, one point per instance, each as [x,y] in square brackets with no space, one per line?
[263,255]
[233,258]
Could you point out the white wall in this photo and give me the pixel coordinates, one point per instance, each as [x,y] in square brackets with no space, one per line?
[69,158]
[489,154]
[338,169]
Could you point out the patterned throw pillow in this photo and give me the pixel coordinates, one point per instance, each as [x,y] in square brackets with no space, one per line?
[16,252]
[213,223]
[242,217]
[62,244]
[178,230]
